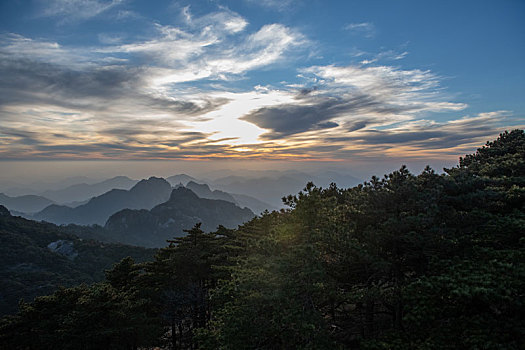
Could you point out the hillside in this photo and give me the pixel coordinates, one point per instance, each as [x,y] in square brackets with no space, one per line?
[37,258]
[167,220]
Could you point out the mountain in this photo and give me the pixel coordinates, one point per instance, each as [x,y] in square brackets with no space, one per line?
[36,258]
[25,204]
[19,189]
[325,177]
[180,179]
[271,189]
[85,191]
[167,220]
[268,189]
[254,204]
[144,195]
[204,191]
[242,200]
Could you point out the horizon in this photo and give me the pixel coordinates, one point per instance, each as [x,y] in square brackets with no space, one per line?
[200,86]
[20,172]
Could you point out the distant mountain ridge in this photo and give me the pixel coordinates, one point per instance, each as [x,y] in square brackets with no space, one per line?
[144,195]
[271,189]
[167,220]
[26,204]
[180,179]
[204,191]
[84,191]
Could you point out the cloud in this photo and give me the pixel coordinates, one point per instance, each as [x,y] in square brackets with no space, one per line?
[353,97]
[366,29]
[177,95]
[96,96]
[224,21]
[279,5]
[74,10]
[181,56]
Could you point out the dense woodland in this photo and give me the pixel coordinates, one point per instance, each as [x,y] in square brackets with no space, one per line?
[428,261]
[28,268]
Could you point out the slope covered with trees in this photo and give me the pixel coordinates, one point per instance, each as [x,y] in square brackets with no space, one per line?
[428,261]
[37,258]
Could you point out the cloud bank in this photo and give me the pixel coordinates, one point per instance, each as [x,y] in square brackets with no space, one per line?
[176,94]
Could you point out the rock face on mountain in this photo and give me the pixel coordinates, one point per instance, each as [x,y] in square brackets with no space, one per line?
[144,195]
[167,220]
[25,204]
[84,191]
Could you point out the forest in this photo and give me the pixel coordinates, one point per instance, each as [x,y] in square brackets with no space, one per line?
[428,261]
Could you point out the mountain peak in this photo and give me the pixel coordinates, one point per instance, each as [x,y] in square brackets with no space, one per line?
[193,184]
[151,184]
[182,192]
[180,178]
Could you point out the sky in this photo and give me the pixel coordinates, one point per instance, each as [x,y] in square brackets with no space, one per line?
[359,85]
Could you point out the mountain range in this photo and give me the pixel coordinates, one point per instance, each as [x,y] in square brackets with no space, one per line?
[151,228]
[26,204]
[274,185]
[93,203]
[179,179]
[144,195]
[255,205]
[85,191]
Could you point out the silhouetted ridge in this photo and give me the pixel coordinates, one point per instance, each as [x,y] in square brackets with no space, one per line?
[167,220]
[180,179]
[4,211]
[151,184]
[25,204]
[78,193]
[181,193]
[204,191]
[144,195]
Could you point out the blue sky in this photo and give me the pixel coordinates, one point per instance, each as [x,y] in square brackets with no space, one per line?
[289,80]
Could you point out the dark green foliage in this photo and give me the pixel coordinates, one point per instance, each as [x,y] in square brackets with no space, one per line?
[96,317]
[29,269]
[409,262]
